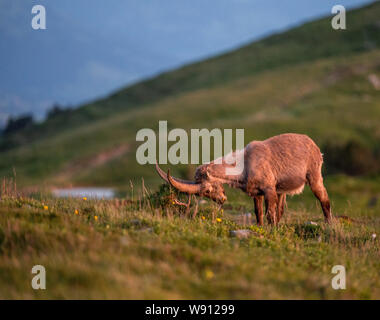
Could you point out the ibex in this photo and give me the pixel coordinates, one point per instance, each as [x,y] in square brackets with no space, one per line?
[273,168]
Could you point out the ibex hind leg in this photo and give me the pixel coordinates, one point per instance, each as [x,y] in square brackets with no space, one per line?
[317,187]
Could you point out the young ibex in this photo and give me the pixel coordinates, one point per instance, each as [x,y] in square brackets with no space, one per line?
[272,169]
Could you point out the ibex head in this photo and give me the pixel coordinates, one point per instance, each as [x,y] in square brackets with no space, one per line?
[204,186]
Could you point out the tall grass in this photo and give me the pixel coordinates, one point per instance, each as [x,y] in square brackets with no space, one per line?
[144,248]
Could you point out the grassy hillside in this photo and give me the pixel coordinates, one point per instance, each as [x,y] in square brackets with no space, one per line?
[311,80]
[332,100]
[137,250]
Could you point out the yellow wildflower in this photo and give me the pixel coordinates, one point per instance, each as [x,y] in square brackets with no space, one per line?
[203,218]
[96,218]
[46,208]
[218,219]
[209,274]
[84,198]
[76,211]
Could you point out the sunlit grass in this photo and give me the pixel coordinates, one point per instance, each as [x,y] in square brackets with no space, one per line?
[136,249]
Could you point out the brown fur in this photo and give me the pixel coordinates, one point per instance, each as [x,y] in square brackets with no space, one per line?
[273,168]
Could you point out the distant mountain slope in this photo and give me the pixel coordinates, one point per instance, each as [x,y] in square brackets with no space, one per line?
[309,42]
[311,79]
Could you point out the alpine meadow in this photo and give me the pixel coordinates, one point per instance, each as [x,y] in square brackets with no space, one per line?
[311,80]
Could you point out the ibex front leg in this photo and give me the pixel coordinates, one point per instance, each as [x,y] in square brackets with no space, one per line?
[281,206]
[271,199]
[258,200]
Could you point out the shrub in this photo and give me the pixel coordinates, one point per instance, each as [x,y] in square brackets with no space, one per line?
[351,158]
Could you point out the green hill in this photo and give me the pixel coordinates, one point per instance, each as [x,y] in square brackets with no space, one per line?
[311,79]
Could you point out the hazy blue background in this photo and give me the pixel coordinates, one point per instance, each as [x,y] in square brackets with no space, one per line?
[93,47]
